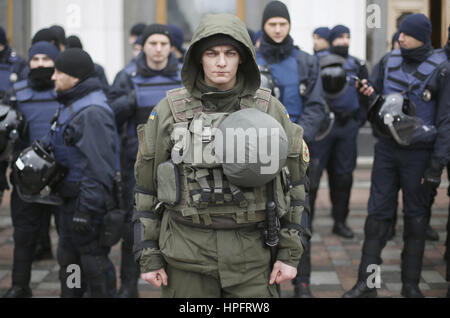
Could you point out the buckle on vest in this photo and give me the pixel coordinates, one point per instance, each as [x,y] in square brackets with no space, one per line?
[207,134]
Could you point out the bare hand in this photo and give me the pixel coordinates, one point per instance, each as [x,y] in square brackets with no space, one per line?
[282,272]
[156,278]
[365,88]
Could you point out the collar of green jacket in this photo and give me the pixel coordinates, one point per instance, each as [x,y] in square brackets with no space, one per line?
[221,24]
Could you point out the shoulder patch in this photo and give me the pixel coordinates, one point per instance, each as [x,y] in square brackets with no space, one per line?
[305,152]
[152,115]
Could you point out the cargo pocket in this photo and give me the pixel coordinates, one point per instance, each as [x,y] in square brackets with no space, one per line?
[168,183]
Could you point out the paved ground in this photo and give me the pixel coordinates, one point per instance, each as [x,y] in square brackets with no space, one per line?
[334,260]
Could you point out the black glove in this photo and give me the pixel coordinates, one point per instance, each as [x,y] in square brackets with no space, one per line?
[81,222]
[432,176]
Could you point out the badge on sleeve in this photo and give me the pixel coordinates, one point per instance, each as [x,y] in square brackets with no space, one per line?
[153,115]
[305,152]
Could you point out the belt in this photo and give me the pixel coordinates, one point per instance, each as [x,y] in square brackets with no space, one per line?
[219,222]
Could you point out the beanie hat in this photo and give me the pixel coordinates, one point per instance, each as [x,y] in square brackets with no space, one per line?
[60,33]
[74,41]
[156,29]
[75,62]
[323,32]
[177,36]
[43,47]
[3,39]
[137,29]
[47,35]
[337,31]
[275,9]
[219,39]
[418,26]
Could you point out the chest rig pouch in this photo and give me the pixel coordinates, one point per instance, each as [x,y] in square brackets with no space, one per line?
[192,183]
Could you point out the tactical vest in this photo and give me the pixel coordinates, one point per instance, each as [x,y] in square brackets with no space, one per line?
[398,81]
[149,91]
[286,75]
[38,107]
[198,188]
[348,101]
[70,156]
[7,73]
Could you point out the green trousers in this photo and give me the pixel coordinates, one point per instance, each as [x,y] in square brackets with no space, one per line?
[205,263]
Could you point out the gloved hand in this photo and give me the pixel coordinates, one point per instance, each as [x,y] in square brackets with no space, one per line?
[81,222]
[432,176]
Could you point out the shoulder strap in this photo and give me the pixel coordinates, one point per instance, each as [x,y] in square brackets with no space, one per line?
[260,100]
[183,105]
[306,69]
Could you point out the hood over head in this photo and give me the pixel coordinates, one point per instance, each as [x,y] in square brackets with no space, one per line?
[230,25]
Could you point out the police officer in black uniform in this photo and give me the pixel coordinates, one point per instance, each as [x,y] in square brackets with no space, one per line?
[413,129]
[296,82]
[84,139]
[136,90]
[35,98]
[11,65]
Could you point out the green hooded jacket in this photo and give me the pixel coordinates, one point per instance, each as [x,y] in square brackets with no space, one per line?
[155,145]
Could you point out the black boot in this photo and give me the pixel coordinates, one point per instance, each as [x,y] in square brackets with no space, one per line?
[340,189]
[302,290]
[129,269]
[18,292]
[412,255]
[343,231]
[375,240]
[361,290]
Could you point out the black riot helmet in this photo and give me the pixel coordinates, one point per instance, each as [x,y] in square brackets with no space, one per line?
[36,174]
[334,76]
[11,125]
[390,116]
[268,81]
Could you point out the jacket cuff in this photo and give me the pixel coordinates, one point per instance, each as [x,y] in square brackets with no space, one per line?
[151,260]
[290,247]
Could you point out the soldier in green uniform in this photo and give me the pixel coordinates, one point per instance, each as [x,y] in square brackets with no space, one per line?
[202,227]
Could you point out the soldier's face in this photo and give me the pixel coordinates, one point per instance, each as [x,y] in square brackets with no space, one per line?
[41,60]
[277,29]
[408,42]
[343,40]
[320,43]
[63,81]
[157,48]
[220,65]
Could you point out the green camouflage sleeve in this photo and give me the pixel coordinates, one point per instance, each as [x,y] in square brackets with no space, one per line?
[154,148]
[290,247]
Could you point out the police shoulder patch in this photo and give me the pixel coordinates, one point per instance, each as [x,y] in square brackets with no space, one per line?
[305,152]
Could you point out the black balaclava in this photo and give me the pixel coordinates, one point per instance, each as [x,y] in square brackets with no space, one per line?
[337,31]
[40,77]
